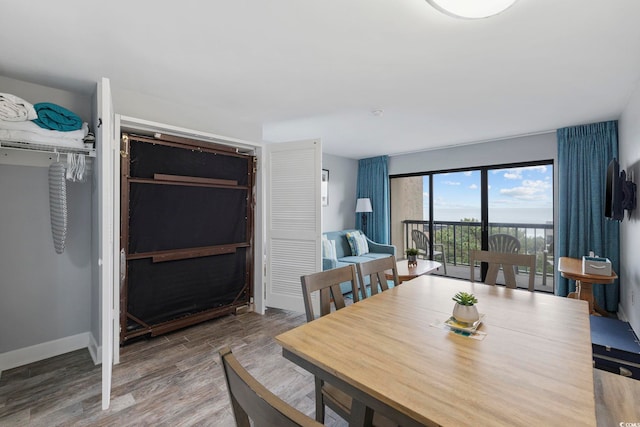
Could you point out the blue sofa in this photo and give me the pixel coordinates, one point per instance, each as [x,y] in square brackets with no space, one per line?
[344,256]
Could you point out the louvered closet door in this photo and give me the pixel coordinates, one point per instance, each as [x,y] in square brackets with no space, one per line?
[294,221]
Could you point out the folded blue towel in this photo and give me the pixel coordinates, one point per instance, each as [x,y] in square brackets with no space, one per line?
[55,117]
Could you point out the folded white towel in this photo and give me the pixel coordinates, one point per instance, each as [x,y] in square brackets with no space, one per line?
[15,109]
[35,129]
[32,133]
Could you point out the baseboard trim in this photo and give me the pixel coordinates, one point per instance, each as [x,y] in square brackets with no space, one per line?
[23,356]
[95,350]
[621,314]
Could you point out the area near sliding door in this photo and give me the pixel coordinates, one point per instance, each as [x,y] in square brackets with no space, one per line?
[465,209]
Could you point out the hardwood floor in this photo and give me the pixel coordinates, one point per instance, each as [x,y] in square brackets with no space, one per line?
[176,380]
[173,380]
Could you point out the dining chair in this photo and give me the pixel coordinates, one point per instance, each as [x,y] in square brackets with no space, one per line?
[421,240]
[508,261]
[250,400]
[327,284]
[376,270]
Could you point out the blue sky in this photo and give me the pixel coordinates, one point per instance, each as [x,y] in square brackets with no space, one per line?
[523,188]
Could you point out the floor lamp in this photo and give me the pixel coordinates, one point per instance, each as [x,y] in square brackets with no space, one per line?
[363,206]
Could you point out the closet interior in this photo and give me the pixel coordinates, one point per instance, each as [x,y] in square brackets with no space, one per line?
[48,301]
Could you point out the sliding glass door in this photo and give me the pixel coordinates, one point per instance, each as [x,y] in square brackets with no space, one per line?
[520,205]
[462,210]
[457,211]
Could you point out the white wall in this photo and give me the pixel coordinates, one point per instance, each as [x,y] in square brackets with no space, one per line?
[43,296]
[343,174]
[213,120]
[512,150]
[629,145]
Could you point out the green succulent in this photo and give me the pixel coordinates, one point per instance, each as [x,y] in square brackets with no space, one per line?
[412,251]
[464,298]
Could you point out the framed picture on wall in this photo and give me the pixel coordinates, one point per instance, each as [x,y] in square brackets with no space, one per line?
[324,187]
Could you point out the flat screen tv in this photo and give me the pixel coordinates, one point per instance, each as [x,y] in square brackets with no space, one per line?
[613,195]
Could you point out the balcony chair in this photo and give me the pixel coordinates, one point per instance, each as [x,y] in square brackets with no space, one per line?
[504,243]
[508,261]
[251,400]
[548,260]
[421,241]
[375,271]
[327,284]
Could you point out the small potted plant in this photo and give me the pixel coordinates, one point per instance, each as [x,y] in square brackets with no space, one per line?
[412,256]
[465,310]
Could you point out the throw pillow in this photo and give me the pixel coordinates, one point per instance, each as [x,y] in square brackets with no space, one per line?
[358,243]
[328,249]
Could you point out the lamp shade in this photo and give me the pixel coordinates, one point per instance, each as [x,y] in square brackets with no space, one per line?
[471,9]
[363,205]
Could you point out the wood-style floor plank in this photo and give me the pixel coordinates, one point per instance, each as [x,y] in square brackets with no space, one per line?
[172,380]
[176,380]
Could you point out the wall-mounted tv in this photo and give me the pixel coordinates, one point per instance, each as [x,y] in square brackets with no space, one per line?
[620,194]
[613,196]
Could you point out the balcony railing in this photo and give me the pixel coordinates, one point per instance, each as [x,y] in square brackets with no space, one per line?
[459,237]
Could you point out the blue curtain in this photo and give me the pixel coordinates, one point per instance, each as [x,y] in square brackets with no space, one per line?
[373,182]
[584,152]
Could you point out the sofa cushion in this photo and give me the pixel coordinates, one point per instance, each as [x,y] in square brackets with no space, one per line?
[354,259]
[358,243]
[375,255]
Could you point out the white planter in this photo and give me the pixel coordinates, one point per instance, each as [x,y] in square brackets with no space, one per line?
[465,313]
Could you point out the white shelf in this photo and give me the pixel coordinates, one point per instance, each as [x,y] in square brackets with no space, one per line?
[27,154]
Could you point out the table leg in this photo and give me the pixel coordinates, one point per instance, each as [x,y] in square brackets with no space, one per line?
[361,415]
[586,294]
[576,293]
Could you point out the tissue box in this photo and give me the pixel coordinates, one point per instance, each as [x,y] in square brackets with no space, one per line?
[596,265]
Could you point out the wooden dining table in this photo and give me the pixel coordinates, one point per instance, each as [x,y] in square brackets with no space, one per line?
[393,355]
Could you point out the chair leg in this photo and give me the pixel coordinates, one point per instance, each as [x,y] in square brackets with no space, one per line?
[319,401]
[444,263]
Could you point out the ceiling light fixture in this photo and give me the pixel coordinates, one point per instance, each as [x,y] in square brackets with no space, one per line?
[471,9]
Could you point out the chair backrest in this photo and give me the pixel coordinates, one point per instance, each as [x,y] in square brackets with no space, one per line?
[504,243]
[252,400]
[327,283]
[421,240]
[508,261]
[375,271]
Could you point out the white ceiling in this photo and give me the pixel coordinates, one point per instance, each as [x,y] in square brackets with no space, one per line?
[306,69]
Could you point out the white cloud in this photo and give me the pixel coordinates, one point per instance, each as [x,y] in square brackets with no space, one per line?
[541,168]
[468,173]
[514,174]
[451,183]
[530,190]
[473,187]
